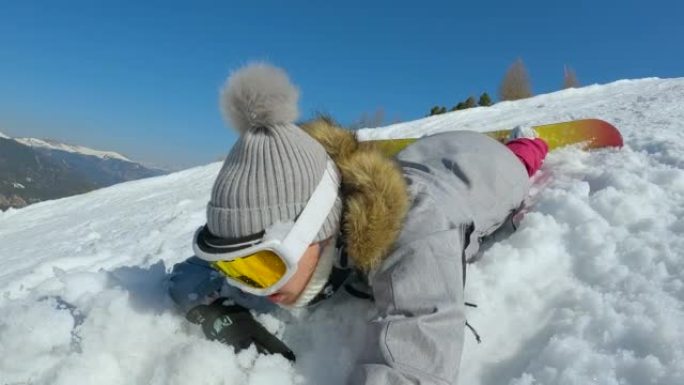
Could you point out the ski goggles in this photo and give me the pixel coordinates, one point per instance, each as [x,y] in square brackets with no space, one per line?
[262,263]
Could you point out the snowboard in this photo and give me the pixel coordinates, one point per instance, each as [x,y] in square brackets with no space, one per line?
[589,133]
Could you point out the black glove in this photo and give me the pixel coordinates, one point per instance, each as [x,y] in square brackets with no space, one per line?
[234,325]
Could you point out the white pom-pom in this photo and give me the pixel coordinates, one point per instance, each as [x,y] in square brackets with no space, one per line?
[259,96]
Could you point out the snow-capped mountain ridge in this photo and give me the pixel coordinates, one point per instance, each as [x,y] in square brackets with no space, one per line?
[590,289]
[55,145]
[49,169]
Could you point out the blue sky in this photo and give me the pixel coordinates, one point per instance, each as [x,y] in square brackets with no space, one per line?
[142,79]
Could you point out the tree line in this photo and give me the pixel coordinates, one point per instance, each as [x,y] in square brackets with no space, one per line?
[514,86]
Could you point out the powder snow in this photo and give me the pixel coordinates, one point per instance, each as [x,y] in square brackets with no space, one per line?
[589,290]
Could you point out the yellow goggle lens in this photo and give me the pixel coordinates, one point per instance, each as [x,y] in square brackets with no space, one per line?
[259,270]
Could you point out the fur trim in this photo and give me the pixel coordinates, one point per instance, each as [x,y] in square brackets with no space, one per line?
[259,96]
[373,189]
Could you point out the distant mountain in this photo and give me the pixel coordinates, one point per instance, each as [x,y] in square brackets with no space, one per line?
[54,145]
[34,170]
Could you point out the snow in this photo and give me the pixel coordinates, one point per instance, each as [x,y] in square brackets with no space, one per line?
[589,290]
[53,145]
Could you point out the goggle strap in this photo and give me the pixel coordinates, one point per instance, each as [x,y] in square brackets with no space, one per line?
[230,245]
[311,219]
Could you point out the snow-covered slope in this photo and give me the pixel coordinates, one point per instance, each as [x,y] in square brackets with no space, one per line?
[54,145]
[589,290]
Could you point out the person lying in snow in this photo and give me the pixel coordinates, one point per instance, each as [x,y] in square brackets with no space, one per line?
[296,213]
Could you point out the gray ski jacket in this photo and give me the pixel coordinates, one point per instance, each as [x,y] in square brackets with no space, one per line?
[410,224]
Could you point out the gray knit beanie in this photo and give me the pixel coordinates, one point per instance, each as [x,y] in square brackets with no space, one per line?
[274,166]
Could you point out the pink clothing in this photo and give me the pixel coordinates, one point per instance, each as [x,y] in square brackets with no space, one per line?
[531,152]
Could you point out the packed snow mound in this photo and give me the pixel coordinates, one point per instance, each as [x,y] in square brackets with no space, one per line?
[590,289]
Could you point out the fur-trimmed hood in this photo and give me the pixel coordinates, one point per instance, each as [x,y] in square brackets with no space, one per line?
[373,191]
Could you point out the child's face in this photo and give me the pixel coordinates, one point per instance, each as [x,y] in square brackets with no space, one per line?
[288,294]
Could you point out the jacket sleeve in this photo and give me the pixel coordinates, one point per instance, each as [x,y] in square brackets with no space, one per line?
[193,281]
[417,336]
